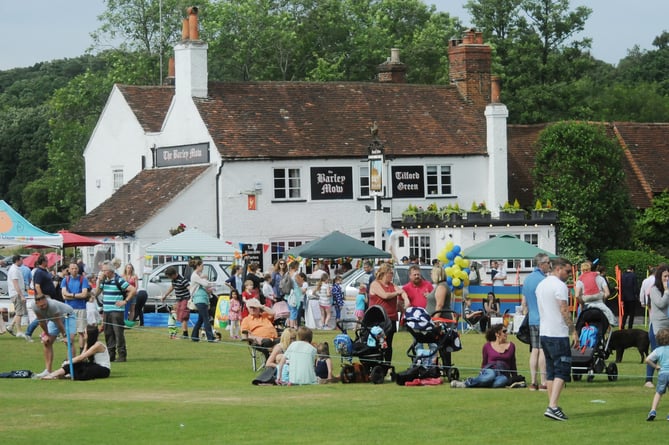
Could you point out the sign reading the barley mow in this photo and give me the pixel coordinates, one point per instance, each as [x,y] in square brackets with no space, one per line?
[182,155]
[331,183]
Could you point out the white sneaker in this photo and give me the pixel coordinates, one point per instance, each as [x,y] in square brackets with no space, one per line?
[41,374]
[20,335]
[28,338]
[457,384]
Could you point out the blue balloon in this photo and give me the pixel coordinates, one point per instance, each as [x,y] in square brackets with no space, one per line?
[450,263]
[450,255]
[449,280]
[456,249]
[466,270]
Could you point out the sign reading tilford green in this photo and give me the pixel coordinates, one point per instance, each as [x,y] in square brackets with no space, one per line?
[331,183]
[182,155]
[408,181]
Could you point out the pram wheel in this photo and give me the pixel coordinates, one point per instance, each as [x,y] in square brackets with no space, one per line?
[576,377]
[453,374]
[378,374]
[591,377]
[612,372]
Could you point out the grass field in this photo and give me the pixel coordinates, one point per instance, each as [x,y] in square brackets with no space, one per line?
[173,391]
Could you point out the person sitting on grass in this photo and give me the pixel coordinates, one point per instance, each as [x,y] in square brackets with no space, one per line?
[324,364]
[659,359]
[498,364]
[301,356]
[83,368]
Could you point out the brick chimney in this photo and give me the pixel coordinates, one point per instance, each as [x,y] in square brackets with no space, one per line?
[392,70]
[470,65]
[190,56]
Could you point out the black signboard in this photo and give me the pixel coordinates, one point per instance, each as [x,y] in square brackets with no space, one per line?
[331,183]
[253,253]
[182,155]
[408,181]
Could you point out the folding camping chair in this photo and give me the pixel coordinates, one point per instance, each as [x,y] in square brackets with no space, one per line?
[470,320]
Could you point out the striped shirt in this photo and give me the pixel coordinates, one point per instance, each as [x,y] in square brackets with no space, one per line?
[180,285]
[111,294]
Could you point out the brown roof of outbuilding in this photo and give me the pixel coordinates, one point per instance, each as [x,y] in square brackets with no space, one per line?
[138,201]
[645,157]
[308,119]
[149,103]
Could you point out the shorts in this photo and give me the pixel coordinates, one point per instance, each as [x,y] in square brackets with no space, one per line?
[662,381]
[69,323]
[535,341]
[183,313]
[558,357]
[20,307]
[82,322]
[359,314]
[294,311]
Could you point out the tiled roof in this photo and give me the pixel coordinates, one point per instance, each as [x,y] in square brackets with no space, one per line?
[149,103]
[305,119]
[645,160]
[138,201]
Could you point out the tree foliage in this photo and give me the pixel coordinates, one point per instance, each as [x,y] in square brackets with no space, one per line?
[579,168]
[651,226]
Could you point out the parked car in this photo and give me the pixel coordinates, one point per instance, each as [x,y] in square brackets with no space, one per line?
[157,282]
[3,281]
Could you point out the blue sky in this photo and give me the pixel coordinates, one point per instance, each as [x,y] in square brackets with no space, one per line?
[44,30]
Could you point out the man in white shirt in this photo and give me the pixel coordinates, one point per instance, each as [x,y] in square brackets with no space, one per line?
[17,295]
[555,327]
[644,293]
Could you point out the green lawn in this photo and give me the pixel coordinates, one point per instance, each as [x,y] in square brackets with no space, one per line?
[173,391]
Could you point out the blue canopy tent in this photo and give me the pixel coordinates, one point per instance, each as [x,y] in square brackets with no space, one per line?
[15,230]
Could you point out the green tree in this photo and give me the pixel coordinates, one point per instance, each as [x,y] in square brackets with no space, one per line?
[579,168]
[651,225]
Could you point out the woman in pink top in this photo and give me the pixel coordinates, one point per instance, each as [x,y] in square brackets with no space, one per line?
[384,293]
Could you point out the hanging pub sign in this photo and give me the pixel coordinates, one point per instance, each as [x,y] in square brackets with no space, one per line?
[408,181]
[331,183]
[182,155]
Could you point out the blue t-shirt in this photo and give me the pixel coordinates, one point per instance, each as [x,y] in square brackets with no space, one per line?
[75,285]
[44,279]
[360,302]
[529,292]
[661,356]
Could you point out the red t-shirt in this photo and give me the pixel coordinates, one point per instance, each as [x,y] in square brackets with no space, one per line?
[390,305]
[417,294]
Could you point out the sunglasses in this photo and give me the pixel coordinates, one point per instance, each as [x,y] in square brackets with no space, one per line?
[504,331]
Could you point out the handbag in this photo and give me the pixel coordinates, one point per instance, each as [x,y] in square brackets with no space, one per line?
[523,334]
[191,305]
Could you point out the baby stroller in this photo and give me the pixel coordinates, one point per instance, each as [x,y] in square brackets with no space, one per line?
[589,357]
[369,346]
[434,339]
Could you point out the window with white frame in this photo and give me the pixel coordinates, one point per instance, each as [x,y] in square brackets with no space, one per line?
[438,179]
[419,245]
[287,183]
[530,238]
[279,248]
[364,181]
[117,177]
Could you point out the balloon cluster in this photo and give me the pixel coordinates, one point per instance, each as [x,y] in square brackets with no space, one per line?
[455,267]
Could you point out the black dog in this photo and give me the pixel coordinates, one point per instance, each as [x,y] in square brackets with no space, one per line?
[628,338]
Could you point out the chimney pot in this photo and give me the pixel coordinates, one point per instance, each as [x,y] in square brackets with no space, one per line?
[184,30]
[495,89]
[394,55]
[193,31]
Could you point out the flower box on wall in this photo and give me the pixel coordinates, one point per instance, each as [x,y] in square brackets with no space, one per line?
[451,218]
[544,215]
[478,217]
[511,216]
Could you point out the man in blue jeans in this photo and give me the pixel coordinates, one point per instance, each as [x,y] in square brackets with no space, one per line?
[555,327]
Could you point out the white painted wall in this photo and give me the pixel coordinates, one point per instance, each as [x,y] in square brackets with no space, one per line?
[118,141]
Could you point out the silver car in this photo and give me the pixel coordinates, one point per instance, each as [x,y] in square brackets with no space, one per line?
[157,282]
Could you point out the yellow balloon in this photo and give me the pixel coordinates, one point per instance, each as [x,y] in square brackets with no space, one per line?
[456,282]
[442,257]
[449,271]
[462,275]
[458,292]
[465,263]
[456,269]
[449,246]
[466,282]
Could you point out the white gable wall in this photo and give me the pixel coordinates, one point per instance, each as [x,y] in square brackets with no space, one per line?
[118,142]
